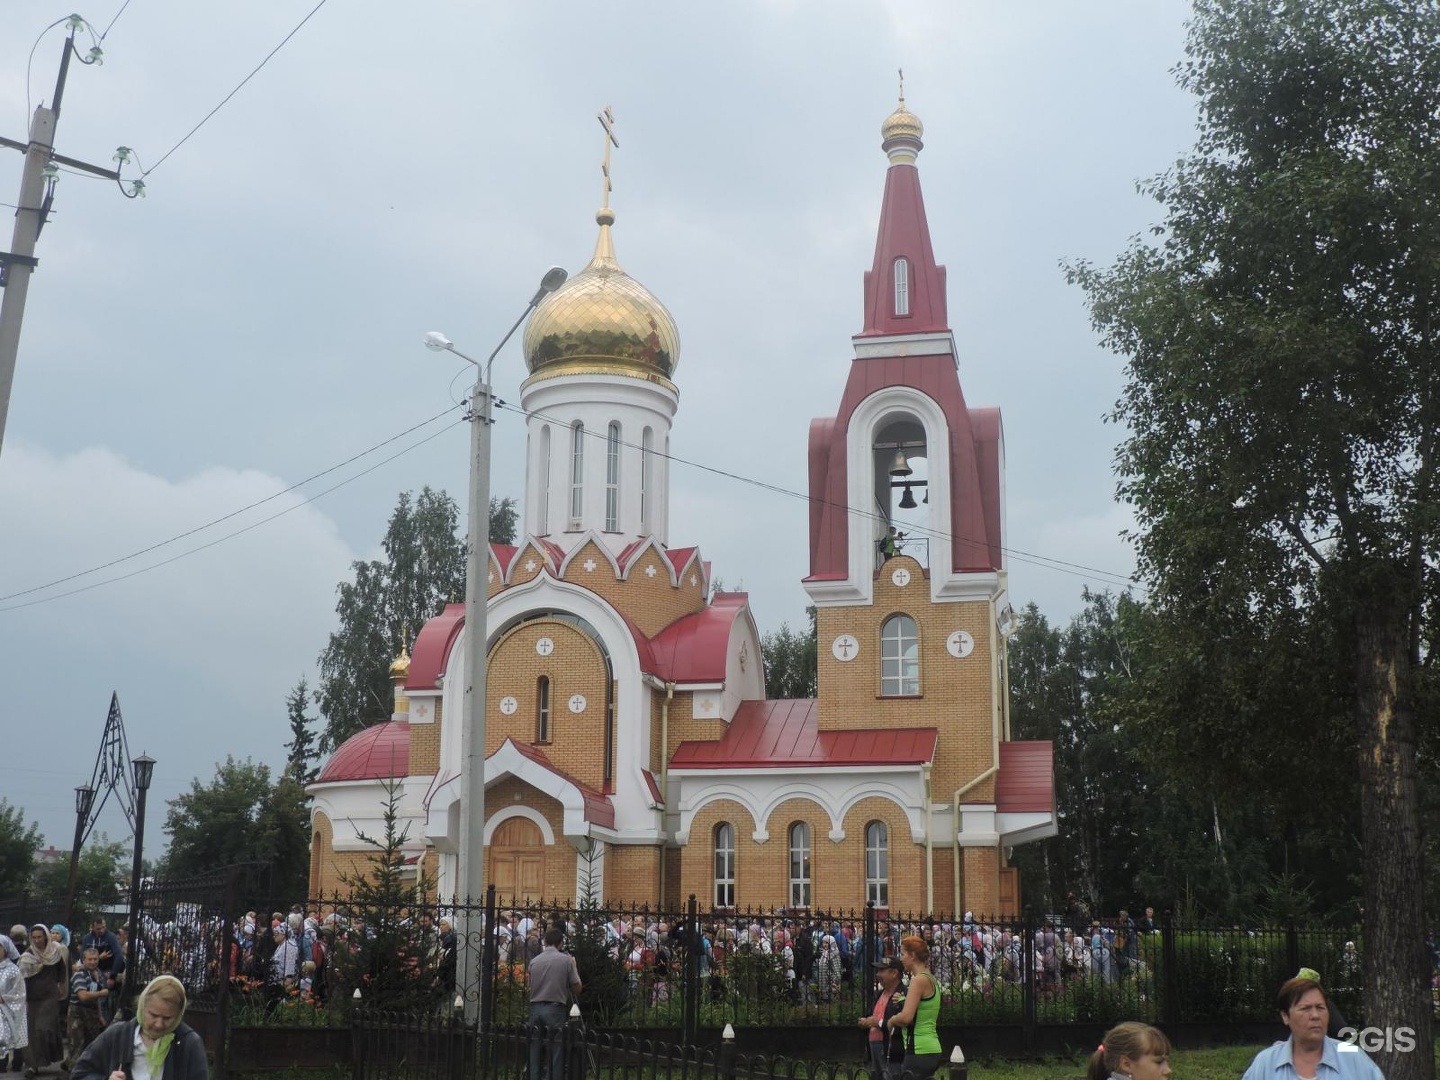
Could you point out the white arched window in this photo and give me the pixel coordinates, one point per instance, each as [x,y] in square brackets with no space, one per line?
[902,286]
[899,657]
[612,478]
[543,521]
[800,865]
[646,479]
[577,473]
[724,865]
[877,864]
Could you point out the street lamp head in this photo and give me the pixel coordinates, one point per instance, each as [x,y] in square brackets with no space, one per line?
[553,279]
[84,796]
[144,766]
[438,341]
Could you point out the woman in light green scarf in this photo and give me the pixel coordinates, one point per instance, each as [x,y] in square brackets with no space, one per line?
[154,1046]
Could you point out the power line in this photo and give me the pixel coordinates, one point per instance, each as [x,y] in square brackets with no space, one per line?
[1106,577]
[231,535]
[236,513]
[116,19]
[237,89]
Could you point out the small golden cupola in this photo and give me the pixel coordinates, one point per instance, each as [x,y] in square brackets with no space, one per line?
[602,321]
[900,133]
[399,673]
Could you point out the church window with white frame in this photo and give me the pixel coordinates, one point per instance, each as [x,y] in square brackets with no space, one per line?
[902,286]
[543,521]
[647,440]
[877,864]
[612,477]
[800,864]
[899,657]
[577,474]
[724,865]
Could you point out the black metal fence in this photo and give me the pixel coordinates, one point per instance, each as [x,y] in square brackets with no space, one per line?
[645,968]
[339,965]
[388,1046]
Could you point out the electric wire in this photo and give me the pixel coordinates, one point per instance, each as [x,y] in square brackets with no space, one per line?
[29,108]
[116,19]
[238,532]
[1080,570]
[232,514]
[237,89]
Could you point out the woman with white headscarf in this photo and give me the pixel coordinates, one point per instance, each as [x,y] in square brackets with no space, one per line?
[47,982]
[14,1033]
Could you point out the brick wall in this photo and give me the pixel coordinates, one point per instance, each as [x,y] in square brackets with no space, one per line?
[955,694]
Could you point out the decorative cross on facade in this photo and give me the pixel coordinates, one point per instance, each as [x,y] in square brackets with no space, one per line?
[607,121]
[589,565]
[650,570]
[529,566]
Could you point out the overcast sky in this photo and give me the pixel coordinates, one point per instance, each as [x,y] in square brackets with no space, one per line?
[398,168]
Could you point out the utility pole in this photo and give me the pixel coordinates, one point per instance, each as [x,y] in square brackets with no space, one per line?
[37,192]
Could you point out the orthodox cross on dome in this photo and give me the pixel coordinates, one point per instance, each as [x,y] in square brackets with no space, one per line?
[607,121]
[902,87]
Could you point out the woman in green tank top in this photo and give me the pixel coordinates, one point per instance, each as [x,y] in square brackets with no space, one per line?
[921,1013]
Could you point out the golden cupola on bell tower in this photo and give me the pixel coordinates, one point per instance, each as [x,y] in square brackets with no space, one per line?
[602,352]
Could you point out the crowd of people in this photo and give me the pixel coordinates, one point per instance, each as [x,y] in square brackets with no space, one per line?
[56,995]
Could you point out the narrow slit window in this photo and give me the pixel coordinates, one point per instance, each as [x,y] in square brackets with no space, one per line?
[877,864]
[577,474]
[542,709]
[724,865]
[612,478]
[902,286]
[646,440]
[543,494]
[800,865]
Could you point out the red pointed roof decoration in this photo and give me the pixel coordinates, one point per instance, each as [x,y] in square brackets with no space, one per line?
[693,648]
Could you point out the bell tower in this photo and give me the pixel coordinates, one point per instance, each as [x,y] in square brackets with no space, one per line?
[907,565]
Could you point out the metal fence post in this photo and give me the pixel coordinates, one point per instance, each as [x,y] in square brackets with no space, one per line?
[725,1063]
[1170,974]
[1027,978]
[870,944]
[489,962]
[1292,948]
[574,1050]
[691,1011]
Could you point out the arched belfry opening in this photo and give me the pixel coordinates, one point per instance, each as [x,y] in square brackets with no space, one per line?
[901,470]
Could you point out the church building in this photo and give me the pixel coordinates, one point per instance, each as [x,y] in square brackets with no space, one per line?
[631,752]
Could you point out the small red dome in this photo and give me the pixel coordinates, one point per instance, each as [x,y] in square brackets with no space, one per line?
[379,752]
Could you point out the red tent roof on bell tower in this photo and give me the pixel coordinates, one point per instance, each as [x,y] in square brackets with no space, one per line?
[904,234]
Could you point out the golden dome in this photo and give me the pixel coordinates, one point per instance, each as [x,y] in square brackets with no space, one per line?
[602,321]
[400,666]
[902,123]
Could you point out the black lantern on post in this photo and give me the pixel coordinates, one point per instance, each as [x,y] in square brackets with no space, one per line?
[84,799]
[144,767]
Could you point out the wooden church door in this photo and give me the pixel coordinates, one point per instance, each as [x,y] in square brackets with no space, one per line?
[517,861]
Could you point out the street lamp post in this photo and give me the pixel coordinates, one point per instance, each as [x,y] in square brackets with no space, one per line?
[144,767]
[471,855]
[84,798]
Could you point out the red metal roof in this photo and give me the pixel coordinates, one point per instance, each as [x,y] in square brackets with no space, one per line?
[379,752]
[904,233]
[1026,781]
[599,810]
[783,734]
[693,648]
[504,554]
[679,557]
[432,647]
